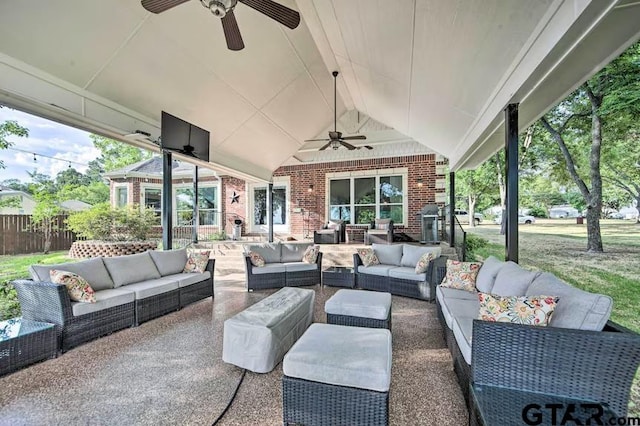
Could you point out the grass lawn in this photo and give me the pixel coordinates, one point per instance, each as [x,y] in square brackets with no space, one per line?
[16,267]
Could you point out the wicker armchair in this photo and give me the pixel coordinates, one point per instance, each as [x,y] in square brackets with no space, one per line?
[334,232]
[380,231]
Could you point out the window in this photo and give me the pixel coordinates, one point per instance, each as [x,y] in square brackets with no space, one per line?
[207,206]
[121,196]
[279,206]
[367,198]
[153,200]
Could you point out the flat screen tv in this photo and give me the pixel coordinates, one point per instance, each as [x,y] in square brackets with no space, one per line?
[184,138]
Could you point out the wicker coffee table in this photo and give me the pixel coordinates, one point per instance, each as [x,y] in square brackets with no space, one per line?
[338,276]
[24,342]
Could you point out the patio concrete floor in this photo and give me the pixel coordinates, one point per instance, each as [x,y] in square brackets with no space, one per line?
[169,371]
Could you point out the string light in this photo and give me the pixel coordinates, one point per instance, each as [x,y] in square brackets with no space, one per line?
[36,155]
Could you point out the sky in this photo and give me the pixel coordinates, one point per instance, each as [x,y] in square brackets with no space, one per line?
[47,138]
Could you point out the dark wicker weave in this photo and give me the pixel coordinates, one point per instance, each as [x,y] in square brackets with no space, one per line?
[282,279]
[582,365]
[28,348]
[48,302]
[359,321]
[202,290]
[338,276]
[423,290]
[312,403]
[156,306]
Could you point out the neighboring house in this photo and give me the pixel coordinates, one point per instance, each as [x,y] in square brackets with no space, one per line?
[305,195]
[27,203]
[74,205]
[560,212]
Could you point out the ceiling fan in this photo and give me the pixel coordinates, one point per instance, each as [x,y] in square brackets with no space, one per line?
[335,137]
[223,9]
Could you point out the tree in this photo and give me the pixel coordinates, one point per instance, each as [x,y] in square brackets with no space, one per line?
[94,193]
[115,155]
[71,177]
[475,184]
[15,184]
[9,128]
[44,217]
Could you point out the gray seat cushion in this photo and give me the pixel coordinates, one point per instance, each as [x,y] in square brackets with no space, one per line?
[169,262]
[271,252]
[359,303]
[185,280]
[487,274]
[411,254]
[326,353]
[92,270]
[381,270]
[293,252]
[458,308]
[104,299]
[269,268]
[575,308]
[151,288]
[300,266]
[512,280]
[462,331]
[454,293]
[388,254]
[406,273]
[133,268]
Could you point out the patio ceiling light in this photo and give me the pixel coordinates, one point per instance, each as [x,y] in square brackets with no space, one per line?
[219,7]
[419,180]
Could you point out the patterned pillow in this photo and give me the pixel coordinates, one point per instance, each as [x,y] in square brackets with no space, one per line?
[197,262]
[368,257]
[78,288]
[256,259]
[530,310]
[423,263]
[461,275]
[311,254]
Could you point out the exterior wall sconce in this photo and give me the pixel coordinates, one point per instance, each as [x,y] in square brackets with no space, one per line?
[310,189]
[419,180]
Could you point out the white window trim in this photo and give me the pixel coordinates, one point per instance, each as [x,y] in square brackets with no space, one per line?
[117,186]
[279,181]
[401,171]
[201,185]
[143,188]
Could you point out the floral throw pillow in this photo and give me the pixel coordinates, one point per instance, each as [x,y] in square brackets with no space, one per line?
[529,310]
[368,257]
[423,263]
[461,275]
[311,254]
[78,288]
[256,259]
[197,262]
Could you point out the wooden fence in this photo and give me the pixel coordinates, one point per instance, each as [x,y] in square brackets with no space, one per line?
[16,236]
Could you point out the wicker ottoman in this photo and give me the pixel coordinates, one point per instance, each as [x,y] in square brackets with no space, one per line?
[359,308]
[329,380]
[258,337]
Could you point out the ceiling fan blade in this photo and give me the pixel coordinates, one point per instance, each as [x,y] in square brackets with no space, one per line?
[232,32]
[317,140]
[354,138]
[287,17]
[347,145]
[159,6]
[325,146]
[369,147]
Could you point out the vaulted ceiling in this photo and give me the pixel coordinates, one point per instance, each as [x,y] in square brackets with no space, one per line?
[435,73]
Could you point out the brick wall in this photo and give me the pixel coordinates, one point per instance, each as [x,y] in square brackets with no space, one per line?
[236,210]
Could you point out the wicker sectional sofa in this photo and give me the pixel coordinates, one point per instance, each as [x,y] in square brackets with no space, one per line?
[129,290]
[284,266]
[396,272]
[580,312]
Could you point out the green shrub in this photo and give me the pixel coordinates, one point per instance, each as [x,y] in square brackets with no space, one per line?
[473,243]
[219,236]
[102,222]
[538,211]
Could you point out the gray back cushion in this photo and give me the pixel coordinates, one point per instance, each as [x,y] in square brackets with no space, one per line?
[487,274]
[576,308]
[411,254]
[293,252]
[512,280]
[388,254]
[133,268]
[169,262]
[269,251]
[92,270]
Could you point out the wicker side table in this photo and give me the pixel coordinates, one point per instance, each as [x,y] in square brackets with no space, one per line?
[338,276]
[24,342]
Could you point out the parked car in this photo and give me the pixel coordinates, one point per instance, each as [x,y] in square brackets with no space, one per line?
[522,218]
[615,215]
[463,217]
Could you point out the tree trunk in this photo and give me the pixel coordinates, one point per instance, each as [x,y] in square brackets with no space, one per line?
[594,240]
[472,210]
